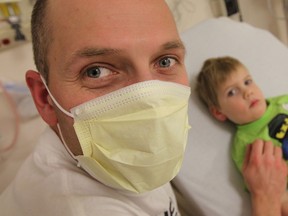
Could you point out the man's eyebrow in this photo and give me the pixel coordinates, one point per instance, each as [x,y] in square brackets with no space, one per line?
[177,44]
[90,52]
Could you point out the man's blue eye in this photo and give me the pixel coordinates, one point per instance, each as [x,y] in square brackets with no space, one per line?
[98,72]
[166,62]
[94,72]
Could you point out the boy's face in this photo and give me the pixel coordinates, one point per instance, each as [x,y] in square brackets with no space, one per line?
[240,99]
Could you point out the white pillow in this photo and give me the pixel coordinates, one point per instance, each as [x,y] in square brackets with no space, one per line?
[209,183]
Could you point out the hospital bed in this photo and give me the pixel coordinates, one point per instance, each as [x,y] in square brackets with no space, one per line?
[208,183]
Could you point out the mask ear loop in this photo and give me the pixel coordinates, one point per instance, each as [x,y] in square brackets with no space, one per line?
[66,146]
[55,101]
[58,126]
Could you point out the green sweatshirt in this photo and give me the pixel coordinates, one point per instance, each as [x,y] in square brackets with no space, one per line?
[273,125]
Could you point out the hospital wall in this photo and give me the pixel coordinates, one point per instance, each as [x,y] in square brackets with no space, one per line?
[265,14]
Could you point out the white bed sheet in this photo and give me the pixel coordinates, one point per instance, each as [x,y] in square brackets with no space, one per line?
[208,182]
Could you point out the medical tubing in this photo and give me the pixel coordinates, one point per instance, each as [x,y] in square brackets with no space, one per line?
[17,118]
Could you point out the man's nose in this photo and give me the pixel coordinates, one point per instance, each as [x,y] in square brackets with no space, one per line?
[141,75]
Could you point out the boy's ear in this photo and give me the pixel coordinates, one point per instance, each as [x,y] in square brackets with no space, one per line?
[217,113]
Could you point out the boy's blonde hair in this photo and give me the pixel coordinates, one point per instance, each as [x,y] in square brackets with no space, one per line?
[214,72]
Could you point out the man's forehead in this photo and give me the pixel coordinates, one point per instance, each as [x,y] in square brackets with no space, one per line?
[108,7]
[80,26]
[75,16]
[126,15]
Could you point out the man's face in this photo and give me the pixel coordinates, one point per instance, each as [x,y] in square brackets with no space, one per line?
[100,46]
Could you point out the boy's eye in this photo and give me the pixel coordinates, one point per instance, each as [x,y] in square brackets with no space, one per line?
[167,62]
[97,72]
[248,81]
[232,92]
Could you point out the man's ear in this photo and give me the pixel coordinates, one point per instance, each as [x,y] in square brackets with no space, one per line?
[217,113]
[41,97]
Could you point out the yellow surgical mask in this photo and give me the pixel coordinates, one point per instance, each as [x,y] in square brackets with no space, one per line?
[134,138]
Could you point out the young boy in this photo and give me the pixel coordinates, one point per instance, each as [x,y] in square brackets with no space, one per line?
[225,85]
